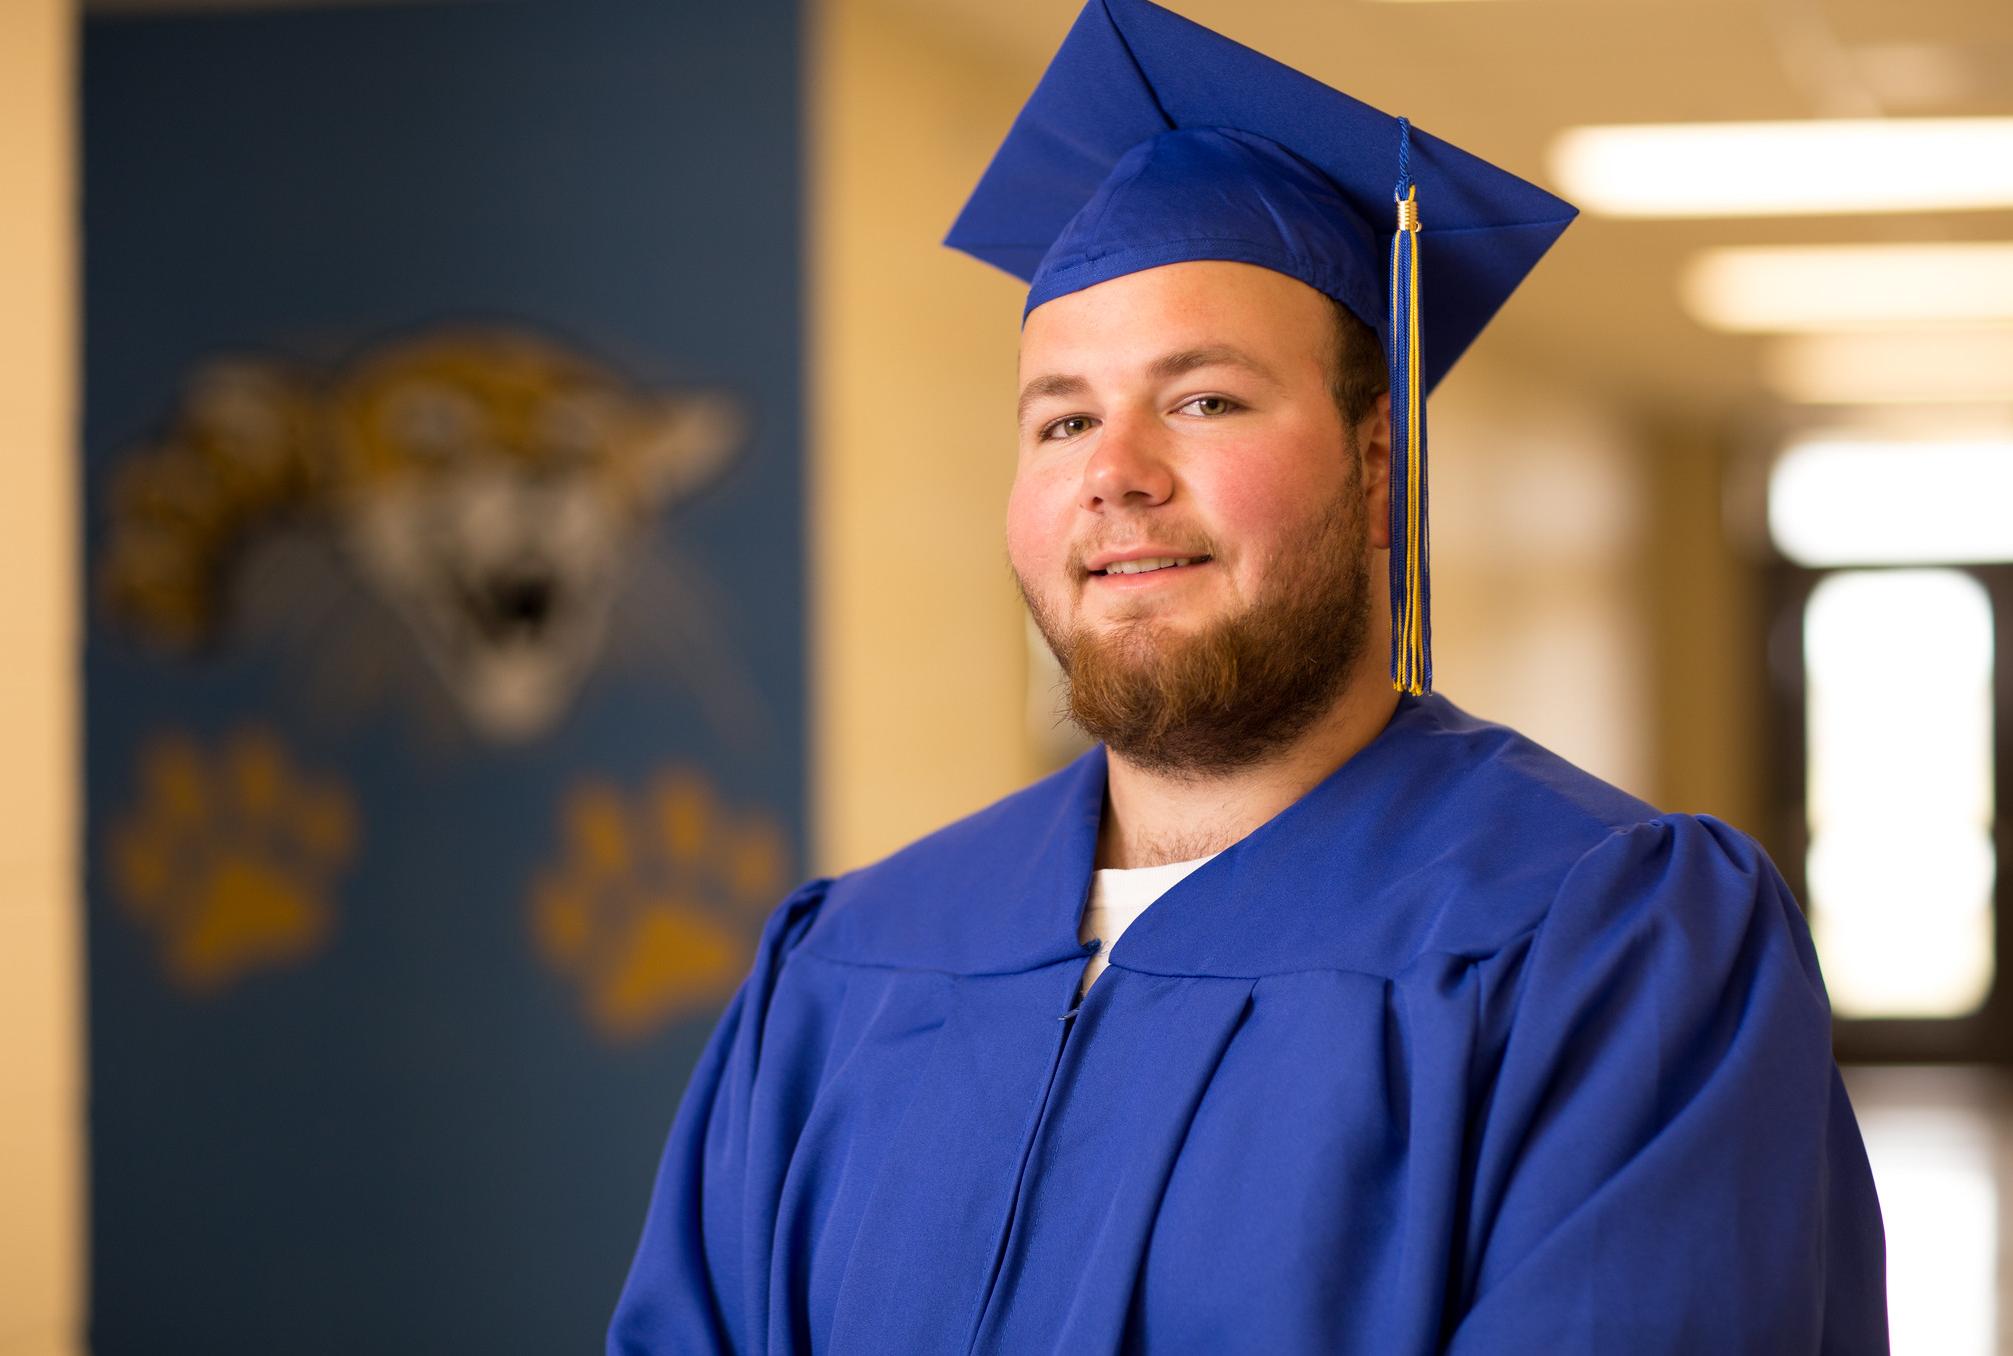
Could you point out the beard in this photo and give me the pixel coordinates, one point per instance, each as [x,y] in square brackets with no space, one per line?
[1241,688]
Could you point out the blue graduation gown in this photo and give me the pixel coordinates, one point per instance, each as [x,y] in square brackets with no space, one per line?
[1465,1050]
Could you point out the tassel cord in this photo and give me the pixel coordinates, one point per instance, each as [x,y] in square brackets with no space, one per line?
[1410,581]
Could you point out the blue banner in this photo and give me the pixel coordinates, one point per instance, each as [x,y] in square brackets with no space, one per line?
[443,482]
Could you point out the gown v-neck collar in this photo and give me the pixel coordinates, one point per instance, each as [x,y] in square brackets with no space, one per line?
[1320,884]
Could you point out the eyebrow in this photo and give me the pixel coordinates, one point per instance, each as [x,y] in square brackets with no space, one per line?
[1041,388]
[1212,355]
[1167,366]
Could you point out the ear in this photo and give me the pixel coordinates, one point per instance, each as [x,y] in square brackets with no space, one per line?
[1373,443]
[686,440]
[237,456]
[250,424]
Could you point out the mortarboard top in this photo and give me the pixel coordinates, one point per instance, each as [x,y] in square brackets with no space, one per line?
[1248,134]
[1152,140]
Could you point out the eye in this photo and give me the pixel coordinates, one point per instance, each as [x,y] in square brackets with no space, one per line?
[1208,406]
[1069,426]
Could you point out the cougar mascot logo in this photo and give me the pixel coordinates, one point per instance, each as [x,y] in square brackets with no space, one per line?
[488,487]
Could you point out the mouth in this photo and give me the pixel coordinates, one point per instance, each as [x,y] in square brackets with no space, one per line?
[509,606]
[1148,569]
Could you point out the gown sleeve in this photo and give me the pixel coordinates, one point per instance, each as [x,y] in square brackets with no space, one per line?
[700,1256]
[1669,1162]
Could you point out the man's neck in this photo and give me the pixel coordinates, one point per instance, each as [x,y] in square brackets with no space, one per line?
[1151,818]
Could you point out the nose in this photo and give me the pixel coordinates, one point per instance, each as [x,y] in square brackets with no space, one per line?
[1127,470]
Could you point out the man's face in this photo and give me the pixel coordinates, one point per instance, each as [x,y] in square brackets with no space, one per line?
[1186,414]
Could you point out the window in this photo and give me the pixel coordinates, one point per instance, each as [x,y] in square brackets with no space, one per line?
[1898,790]
[1894,586]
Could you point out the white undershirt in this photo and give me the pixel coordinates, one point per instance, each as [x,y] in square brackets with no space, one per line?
[1117,896]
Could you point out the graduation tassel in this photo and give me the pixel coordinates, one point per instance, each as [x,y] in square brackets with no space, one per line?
[1411,580]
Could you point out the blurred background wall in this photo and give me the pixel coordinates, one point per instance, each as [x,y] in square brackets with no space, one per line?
[922,670]
[540,482]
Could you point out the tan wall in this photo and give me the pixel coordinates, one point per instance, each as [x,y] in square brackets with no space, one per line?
[919,668]
[41,1068]
[1709,660]
[1539,516]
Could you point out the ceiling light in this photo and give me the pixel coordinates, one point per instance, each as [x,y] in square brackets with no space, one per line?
[1846,501]
[1943,366]
[1819,166]
[1845,287]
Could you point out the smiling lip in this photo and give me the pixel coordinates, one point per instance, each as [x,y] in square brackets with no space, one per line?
[1142,555]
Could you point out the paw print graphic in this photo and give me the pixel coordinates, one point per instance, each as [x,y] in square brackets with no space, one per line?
[228,857]
[654,908]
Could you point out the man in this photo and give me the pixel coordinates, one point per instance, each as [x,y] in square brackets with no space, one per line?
[1427,1041]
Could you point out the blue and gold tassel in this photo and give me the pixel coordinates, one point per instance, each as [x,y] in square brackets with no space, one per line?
[1411,580]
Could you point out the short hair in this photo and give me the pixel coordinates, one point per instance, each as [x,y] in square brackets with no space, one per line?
[1360,373]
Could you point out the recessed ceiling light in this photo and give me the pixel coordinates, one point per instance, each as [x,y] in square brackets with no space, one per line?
[1855,501]
[1791,288]
[1820,166]
[1950,367]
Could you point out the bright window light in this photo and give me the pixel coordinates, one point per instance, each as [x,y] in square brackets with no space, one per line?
[1794,288]
[1842,501]
[1814,167]
[1898,695]
[1928,367]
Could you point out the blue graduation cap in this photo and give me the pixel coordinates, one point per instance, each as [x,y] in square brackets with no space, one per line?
[1152,140]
